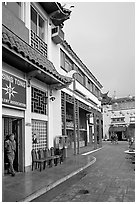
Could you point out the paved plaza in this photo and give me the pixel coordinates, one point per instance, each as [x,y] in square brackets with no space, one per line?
[109,177]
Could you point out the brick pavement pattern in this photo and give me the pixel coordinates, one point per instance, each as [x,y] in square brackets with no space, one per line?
[110,179]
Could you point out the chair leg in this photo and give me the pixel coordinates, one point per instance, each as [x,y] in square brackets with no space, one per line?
[32,165]
[50,163]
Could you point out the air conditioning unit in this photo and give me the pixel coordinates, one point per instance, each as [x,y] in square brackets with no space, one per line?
[57,35]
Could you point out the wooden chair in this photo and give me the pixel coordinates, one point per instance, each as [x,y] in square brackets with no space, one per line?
[48,157]
[55,157]
[36,160]
[59,152]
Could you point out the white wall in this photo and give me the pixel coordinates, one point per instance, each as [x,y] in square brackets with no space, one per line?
[55,120]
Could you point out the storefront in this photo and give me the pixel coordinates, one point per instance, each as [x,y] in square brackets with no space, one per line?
[121,132]
[13,111]
[80,129]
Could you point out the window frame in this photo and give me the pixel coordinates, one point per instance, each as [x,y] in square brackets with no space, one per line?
[38,16]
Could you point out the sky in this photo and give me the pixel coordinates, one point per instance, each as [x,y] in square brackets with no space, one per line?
[102,34]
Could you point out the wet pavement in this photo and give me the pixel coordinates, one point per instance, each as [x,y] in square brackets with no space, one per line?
[27,186]
[110,179]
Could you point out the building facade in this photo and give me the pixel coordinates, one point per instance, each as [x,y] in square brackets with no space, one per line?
[119,117]
[41,96]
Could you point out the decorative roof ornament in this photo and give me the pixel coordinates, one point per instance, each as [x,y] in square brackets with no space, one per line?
[62,14]
[105,99]
[71,73]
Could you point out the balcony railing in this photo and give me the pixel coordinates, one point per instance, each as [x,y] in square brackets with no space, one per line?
[38,44]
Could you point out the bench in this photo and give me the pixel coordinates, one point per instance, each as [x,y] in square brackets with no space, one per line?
[46,157]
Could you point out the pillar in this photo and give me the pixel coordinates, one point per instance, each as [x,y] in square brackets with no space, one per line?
[100,132]
[95,131]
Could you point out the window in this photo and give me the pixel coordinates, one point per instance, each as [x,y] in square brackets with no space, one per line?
[80,75]
[33,20]
[38,101]
[97,92]
[65,62]
[37,23]
[15,7]
[41,28]
[118,120]
[68,64]
[62,59]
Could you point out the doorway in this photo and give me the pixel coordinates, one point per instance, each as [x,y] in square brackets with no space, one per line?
[119,134]
[14,125]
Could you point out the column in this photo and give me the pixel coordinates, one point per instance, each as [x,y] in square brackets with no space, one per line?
[95,131]
[75,132]
[100,132]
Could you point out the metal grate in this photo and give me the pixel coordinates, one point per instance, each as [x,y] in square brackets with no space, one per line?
[38,101]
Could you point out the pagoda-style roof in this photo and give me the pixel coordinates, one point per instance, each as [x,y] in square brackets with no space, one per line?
[122,99]
[105,99]
[22,56]
[58,14]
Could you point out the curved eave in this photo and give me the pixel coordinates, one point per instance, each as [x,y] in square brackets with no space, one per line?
[19,51]
[57,13]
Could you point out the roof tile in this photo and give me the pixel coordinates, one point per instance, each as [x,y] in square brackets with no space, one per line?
[24,49]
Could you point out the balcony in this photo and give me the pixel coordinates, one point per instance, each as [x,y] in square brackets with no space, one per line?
[38,44]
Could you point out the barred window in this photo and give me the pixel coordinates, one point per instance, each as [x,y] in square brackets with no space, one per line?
[38,101]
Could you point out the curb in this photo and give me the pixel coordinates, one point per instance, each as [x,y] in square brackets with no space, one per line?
[91,151]
[49,187]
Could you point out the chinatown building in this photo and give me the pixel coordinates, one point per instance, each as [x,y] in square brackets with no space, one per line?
[118,117]
[47,91]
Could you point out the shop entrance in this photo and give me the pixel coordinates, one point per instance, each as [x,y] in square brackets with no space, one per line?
[14,125]
[119,134]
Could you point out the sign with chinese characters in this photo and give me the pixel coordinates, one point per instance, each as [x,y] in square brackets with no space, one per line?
[13,90]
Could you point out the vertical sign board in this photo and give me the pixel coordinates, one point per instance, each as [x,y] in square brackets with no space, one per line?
[13,90]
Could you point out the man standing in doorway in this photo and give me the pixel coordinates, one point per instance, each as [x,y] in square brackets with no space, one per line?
[10,149]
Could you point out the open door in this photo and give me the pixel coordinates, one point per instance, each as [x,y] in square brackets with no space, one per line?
[16,126]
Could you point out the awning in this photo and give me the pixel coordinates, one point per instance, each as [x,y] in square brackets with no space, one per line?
[21,55]
[118,129]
